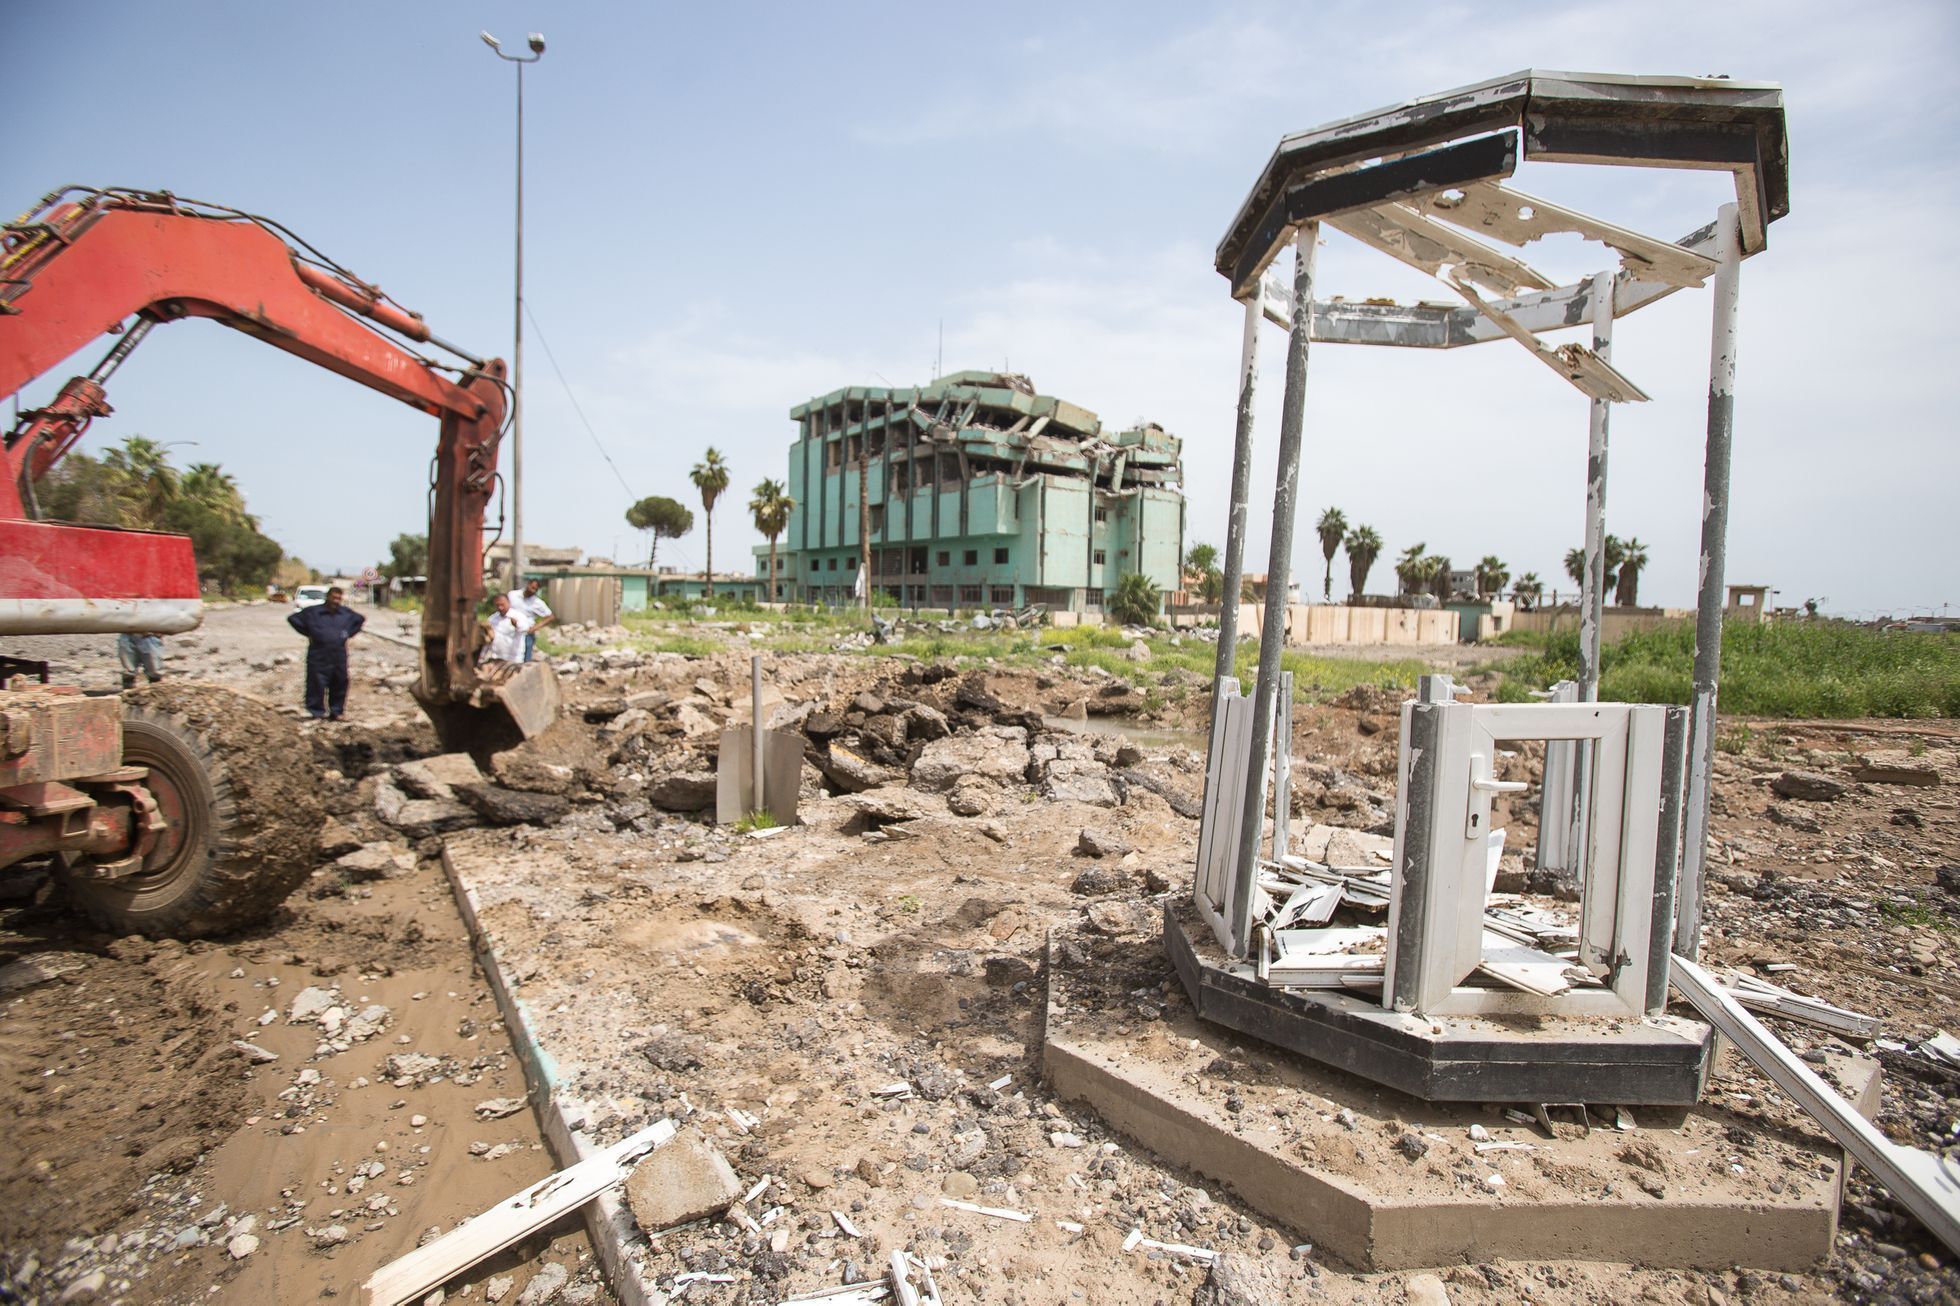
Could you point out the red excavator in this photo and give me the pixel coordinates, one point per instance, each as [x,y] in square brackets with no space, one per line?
[189,810]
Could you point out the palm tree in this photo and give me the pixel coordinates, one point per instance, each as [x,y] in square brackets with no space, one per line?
[1491,575]
[1363,547]
[1332,529]
[215,488]
[149,481]
[1528,590]
[1632,560]
[1410,568]
[1575,566]
[771,508]
[710,476]
[1436,574]
[1135,600]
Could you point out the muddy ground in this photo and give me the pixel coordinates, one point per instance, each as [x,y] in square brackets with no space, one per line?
[898,936]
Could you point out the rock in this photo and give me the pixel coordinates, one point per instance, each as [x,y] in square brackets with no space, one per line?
[1114,917]
[372,1020]
[869,702]
[852,772]
[311,1003]
[1412,1145]
[242,1245]
[335,840]
[498,1288]
[1426,1290]
[683,791]
[1896,766]
[925,723]
[331,1236]
[1127,754]
[437,777]
[884,731]
[1092,842]
[1808,786]
[1188,806]
[1077,782]
[999,753]
[1100,881]
[971,797]
[686,1180]
[516,769]
[960,1186]
[547,1283]
[410,1065]
[974,695]
[597,712]
[893,803]
[253,1053]
[497,1108]
[376,861]
[823,725]
[1138,651]
[419,818]
[501,806]
[1236,1279]
[87,1288]
[698,721]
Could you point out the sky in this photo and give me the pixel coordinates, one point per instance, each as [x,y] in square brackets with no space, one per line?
[732,208]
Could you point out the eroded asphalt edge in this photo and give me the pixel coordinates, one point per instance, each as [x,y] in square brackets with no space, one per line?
[607,1218]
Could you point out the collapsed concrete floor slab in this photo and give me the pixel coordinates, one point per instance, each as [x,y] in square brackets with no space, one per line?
[1387,1181]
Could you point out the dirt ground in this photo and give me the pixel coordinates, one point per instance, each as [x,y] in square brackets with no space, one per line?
[791,976]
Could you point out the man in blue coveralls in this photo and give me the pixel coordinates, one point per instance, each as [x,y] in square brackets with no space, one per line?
[327,627]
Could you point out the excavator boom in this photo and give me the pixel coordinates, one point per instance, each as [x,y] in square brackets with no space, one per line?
[88,263]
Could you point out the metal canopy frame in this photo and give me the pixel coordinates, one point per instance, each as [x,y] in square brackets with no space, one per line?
[1424,182]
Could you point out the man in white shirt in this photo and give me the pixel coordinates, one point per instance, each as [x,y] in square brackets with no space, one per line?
[507,631]
[527,602]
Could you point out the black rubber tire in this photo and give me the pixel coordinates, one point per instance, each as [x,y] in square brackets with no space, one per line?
[238,780]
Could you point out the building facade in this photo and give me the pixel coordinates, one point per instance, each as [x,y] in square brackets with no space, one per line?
[975,492]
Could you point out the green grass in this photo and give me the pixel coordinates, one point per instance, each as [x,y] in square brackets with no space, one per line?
[1821,669]
[760,819]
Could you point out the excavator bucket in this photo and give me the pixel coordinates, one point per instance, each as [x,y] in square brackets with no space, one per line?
[526,690]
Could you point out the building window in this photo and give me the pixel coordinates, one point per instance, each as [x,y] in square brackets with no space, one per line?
[877,518]
[1099,557]
[833,562]
[942,595]
[969,593]
[1000,556]
[1092,599]
[815,565]
[1001,595]
[945,558]
[971,557]
[853,566]
[833,455]
[1102,515]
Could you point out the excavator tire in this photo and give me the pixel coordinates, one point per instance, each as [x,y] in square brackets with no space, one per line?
[234,780]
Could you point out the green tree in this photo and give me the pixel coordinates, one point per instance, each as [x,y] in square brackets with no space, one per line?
[1363,547]
[771,506]
[149,483]
[1529,589]
[1633,557]
[1200,559]
[710,476]
[1332,529]
[668,519]
[408,555]
[1575,566]
[1412,570]
[213,486]
[1136,600]
[1491,576]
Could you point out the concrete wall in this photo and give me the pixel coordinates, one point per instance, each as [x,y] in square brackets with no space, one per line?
[1615,624]
[1310,624]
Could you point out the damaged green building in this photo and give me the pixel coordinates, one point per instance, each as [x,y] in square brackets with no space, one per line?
[975,492]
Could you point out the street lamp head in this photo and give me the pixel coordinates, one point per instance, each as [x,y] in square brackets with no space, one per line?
[491,41]
[537,43]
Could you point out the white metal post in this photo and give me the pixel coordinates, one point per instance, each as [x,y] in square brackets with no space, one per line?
[1228,599]
[1714,580]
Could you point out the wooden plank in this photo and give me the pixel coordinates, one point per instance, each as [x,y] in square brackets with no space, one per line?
[429,1267]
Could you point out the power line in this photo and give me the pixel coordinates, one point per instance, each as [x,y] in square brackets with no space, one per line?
[574,398]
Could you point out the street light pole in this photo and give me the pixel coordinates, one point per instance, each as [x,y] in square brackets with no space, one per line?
[536,43]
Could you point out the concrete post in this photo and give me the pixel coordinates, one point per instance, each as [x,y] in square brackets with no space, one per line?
[1228,608]
[1714,580]
[1272,634]
[755,729]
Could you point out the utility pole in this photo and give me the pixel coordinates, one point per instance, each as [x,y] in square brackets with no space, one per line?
[536,42]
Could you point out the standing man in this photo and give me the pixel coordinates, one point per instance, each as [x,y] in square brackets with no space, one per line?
[509,628]
[142,653]
[327,627]
[527,602]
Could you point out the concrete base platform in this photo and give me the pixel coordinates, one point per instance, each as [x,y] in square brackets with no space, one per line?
[1659,1061]
[1386,1181]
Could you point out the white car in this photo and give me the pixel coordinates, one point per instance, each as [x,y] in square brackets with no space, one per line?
[308,596]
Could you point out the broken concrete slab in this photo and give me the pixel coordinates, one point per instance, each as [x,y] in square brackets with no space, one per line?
[1897,766]
[683,791]
[419,818]
[997,753]
[685,1181]
[851,771]
[437,777]
[501,806]
[1807,786]
[376,861]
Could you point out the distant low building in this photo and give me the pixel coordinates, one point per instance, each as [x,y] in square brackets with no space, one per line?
[979,493]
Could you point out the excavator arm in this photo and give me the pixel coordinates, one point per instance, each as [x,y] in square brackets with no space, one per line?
[89,263]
